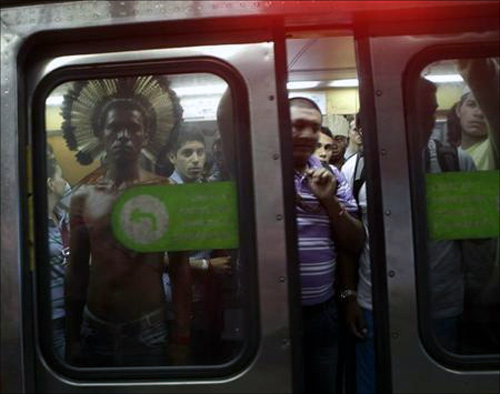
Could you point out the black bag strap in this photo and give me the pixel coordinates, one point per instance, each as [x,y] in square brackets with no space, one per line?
[447,157]
[327,166]
[359,176]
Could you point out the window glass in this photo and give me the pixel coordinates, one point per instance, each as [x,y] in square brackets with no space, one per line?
[458,131]
[143,224]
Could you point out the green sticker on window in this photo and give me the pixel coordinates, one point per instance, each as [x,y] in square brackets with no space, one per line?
[155,218]
[462,205]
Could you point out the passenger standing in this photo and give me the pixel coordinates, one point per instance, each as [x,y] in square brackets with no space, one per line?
[58,232]
[188,156]
[115,303]
[355,138]
[444,256]
[324,147]
[325,227]
[482,75]
[358,297]
[467,129]
[481,321]
[340,133]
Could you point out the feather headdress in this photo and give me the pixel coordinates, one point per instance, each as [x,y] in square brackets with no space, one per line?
[85,103]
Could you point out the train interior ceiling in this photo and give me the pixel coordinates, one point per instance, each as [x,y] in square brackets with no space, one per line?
[320,68]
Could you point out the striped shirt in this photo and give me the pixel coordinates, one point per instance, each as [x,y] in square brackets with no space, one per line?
[317,254]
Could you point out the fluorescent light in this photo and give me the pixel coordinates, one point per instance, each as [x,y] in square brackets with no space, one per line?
[54,100]
[444,78]
[202,90]
[297,85]
[344,83]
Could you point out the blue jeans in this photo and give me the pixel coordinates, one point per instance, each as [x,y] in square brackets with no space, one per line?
[321,334]
[139,342]
[365,358]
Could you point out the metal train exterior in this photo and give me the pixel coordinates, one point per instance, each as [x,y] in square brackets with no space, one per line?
[244,43]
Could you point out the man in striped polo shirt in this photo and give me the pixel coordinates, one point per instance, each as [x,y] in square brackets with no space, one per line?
[326,226]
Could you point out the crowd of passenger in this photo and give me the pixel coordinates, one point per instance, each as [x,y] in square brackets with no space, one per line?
[115,307]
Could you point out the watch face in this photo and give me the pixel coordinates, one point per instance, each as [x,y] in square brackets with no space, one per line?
[346,293]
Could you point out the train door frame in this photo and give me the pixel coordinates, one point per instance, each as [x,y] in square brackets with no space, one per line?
[398,348]
[276,262]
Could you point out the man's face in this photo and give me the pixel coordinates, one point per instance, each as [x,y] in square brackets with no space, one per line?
[355,134]
[339,146]
[306,123]
[324,148]
[471,117]
[124,135]
[189,160]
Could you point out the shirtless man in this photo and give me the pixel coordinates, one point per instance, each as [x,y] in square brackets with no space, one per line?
[115,302]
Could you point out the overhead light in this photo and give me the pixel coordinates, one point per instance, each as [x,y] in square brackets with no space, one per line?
[344,83]
[298,85]
[202,90]
[54,100]
[444,78]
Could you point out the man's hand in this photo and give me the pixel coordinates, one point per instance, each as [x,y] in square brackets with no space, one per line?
[322,183]
[355,320]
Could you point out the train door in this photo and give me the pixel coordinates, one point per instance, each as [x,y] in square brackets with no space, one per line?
[436,317]
[67,86]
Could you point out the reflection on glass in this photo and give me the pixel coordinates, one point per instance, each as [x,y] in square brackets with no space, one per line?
[58,192]
[462,186]
[145,265]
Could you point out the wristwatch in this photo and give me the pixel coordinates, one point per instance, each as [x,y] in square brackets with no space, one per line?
[346,293]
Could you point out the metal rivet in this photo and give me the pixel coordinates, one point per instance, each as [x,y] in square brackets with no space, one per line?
[395,335]
[388,212]
[383,152]
[276,156]
[285,342]
[282,279]
[279,217]
[271,98]
[392,274]
[378,93]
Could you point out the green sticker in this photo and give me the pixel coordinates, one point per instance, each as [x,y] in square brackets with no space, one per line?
[155,218]
[462,205]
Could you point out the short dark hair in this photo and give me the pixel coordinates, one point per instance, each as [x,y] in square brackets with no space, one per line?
[187,133]
[303,102]
[357,119]
[426,104]
[326,131]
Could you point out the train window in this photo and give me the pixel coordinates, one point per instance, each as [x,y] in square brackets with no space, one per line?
[455,138]
[143,232]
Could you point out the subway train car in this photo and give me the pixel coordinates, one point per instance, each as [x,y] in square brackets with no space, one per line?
[225,70]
